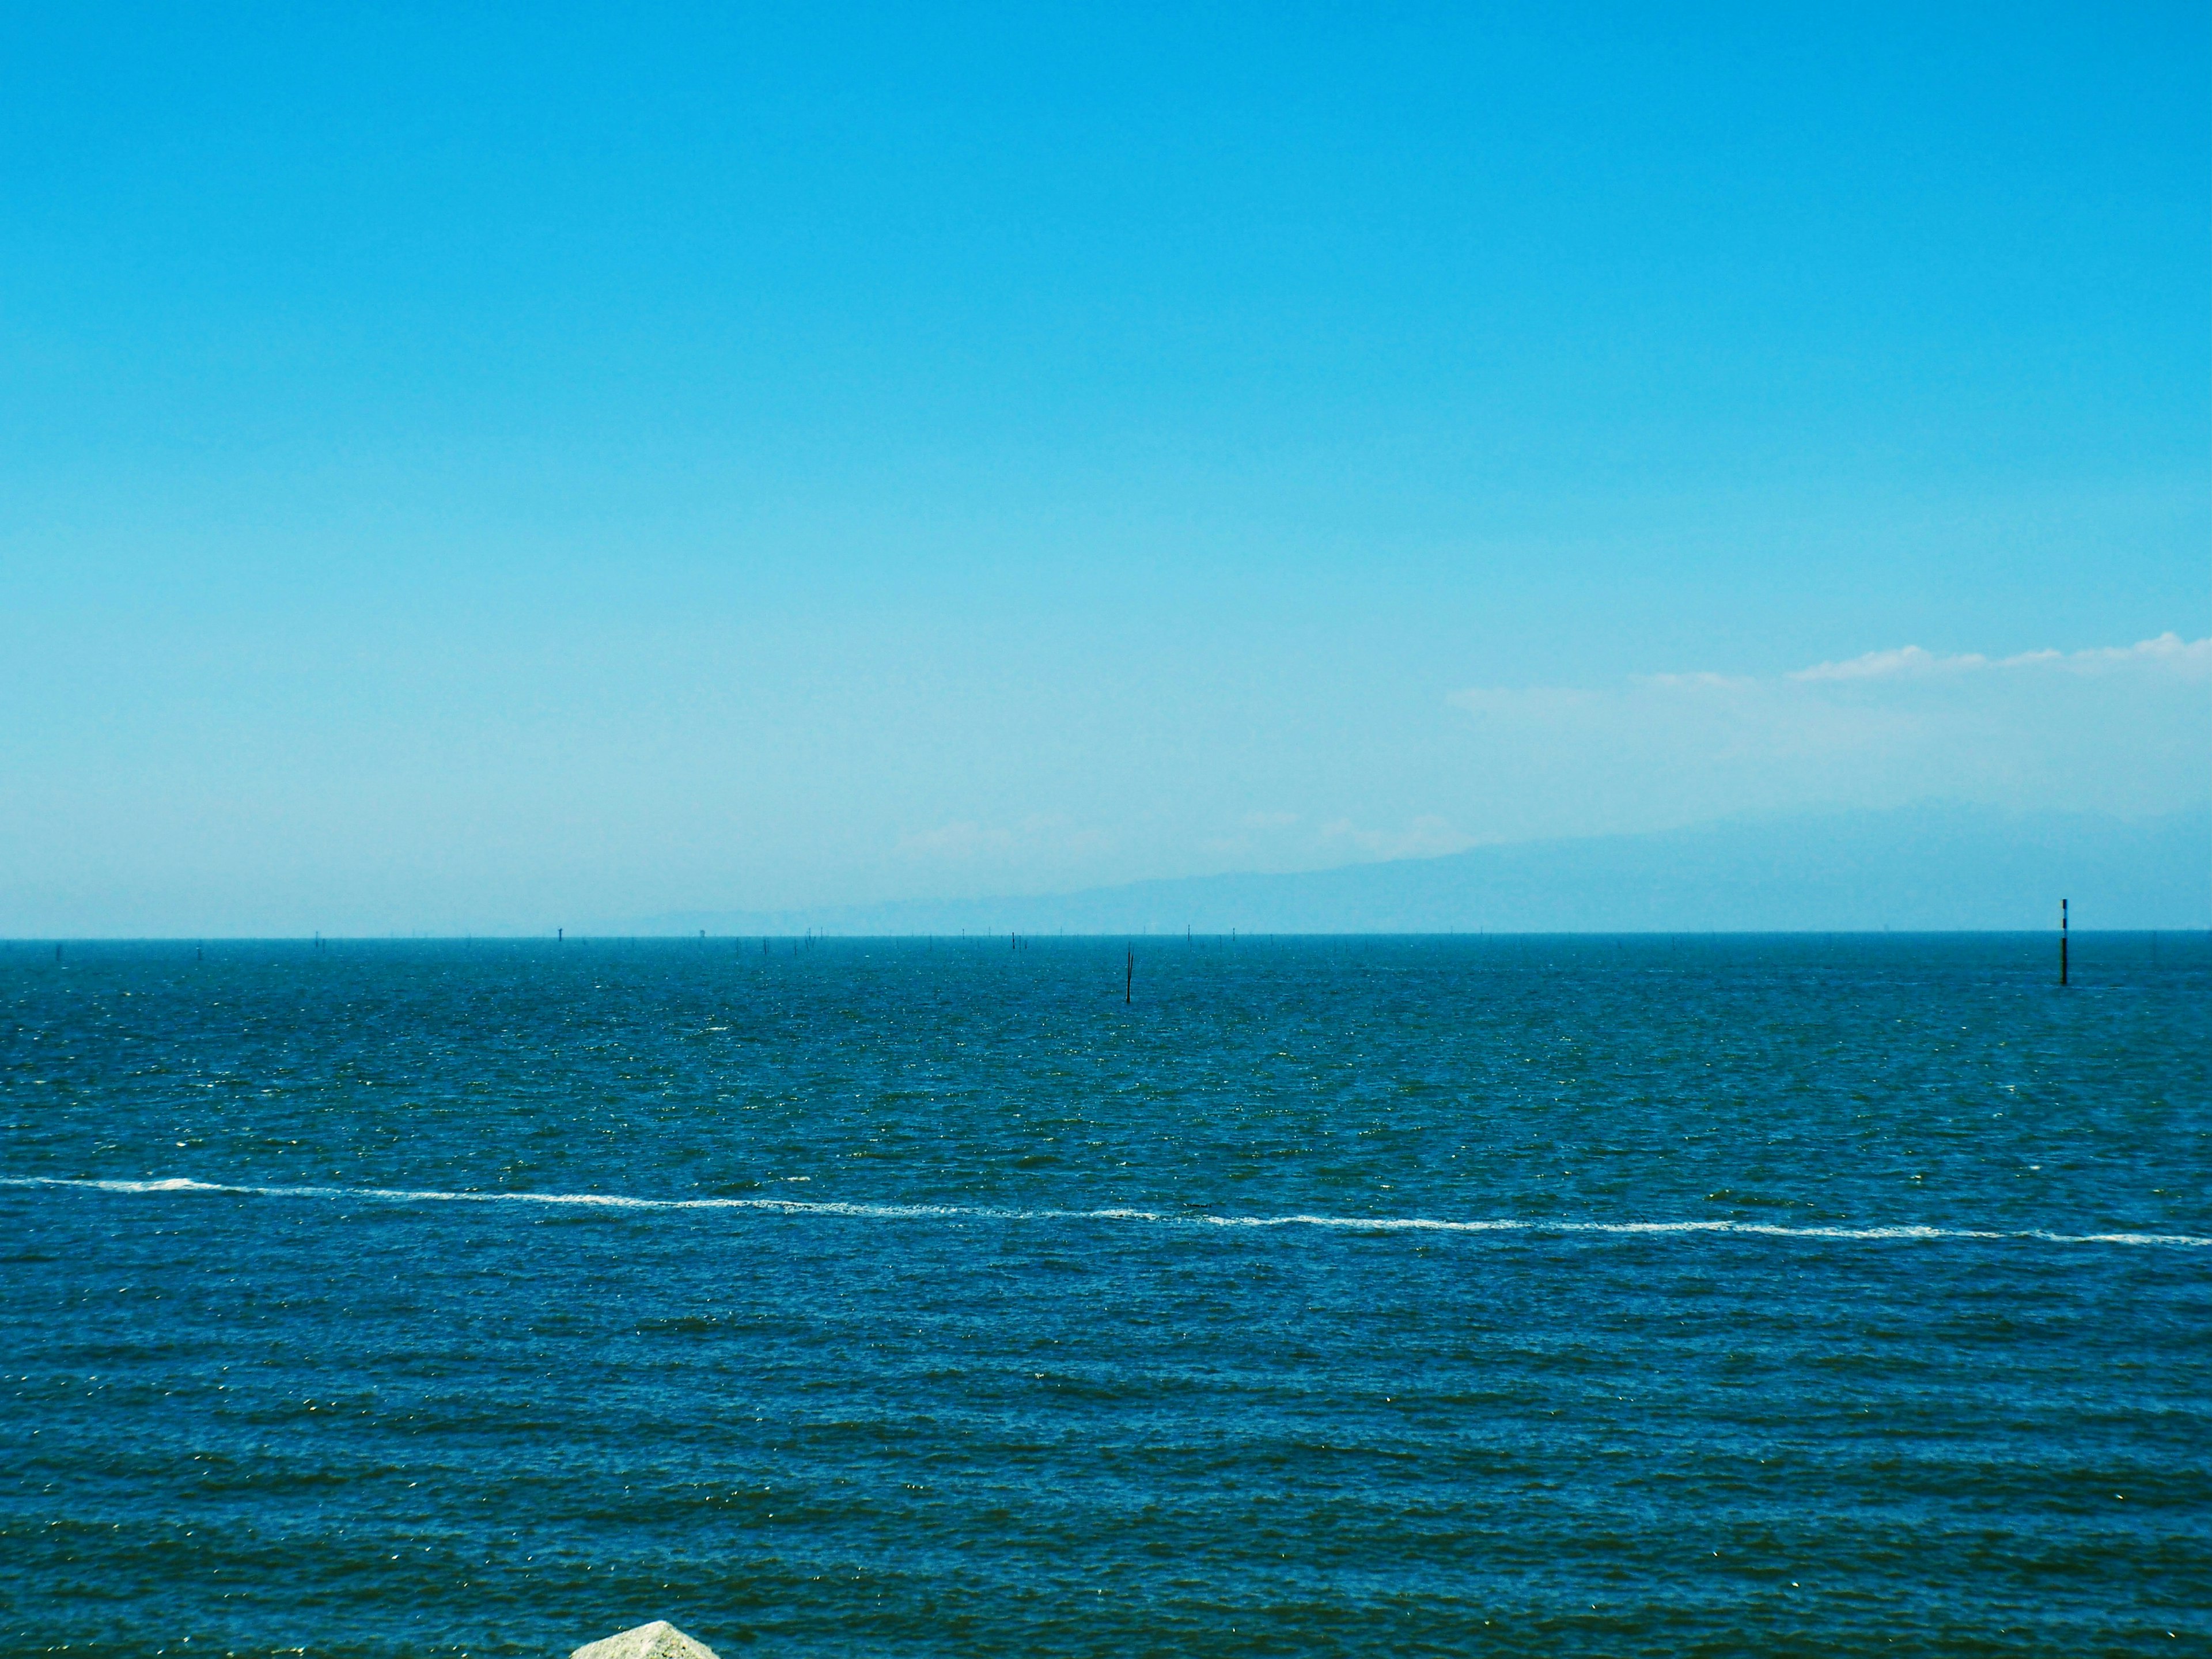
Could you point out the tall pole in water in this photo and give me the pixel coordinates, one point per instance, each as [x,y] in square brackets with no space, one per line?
[1129,985]
[2062,941]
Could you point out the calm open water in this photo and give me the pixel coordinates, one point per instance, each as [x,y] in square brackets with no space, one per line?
[1558,1297]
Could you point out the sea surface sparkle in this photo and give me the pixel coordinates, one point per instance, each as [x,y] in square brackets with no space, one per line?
[1393,1295]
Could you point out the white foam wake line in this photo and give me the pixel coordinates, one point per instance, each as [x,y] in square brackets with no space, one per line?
[961,1211]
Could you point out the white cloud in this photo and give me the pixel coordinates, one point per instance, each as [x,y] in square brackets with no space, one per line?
[1423,836]
[1254,832]
[2188,659]
[2123,728]
[1878,665]
[2169,651]
[1049,835]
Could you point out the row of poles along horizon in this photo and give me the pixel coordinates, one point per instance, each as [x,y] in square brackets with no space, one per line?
[1129,980]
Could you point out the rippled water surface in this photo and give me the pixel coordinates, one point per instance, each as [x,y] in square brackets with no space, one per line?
[1560,1296]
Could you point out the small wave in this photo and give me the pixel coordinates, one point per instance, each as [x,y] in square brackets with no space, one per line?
[985,1212]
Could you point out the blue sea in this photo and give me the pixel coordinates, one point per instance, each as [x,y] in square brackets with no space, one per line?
[1562,1297]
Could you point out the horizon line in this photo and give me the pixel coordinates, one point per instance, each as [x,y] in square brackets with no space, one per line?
[1252,935]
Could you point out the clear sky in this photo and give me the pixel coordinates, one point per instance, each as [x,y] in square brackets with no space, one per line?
[469,467]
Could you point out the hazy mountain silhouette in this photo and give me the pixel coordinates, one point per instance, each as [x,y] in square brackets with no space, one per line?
[1927,868]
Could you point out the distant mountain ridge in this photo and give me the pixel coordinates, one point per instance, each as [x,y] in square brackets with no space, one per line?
[1930,868]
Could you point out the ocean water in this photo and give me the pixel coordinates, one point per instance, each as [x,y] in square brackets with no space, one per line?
[1347,1297]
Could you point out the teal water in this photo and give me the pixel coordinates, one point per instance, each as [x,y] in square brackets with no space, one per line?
[1559,1296]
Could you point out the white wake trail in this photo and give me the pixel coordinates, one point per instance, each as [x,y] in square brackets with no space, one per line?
[984,1213]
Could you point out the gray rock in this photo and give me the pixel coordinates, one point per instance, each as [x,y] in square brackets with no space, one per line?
[657,1640]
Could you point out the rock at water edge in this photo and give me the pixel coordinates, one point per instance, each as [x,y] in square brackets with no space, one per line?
[657,1640]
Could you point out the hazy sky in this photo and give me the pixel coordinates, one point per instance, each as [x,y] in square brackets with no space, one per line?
[465,467]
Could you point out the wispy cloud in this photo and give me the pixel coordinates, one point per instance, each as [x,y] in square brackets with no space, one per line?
[1255,834]
[2168,652]
[1280,839]
[1423,836]
[2122,727]
[1043,835]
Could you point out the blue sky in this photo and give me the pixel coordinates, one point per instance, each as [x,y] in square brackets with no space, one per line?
[465,467]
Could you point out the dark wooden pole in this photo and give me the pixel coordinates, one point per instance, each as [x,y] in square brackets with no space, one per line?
[1129,985]
[2062,941]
